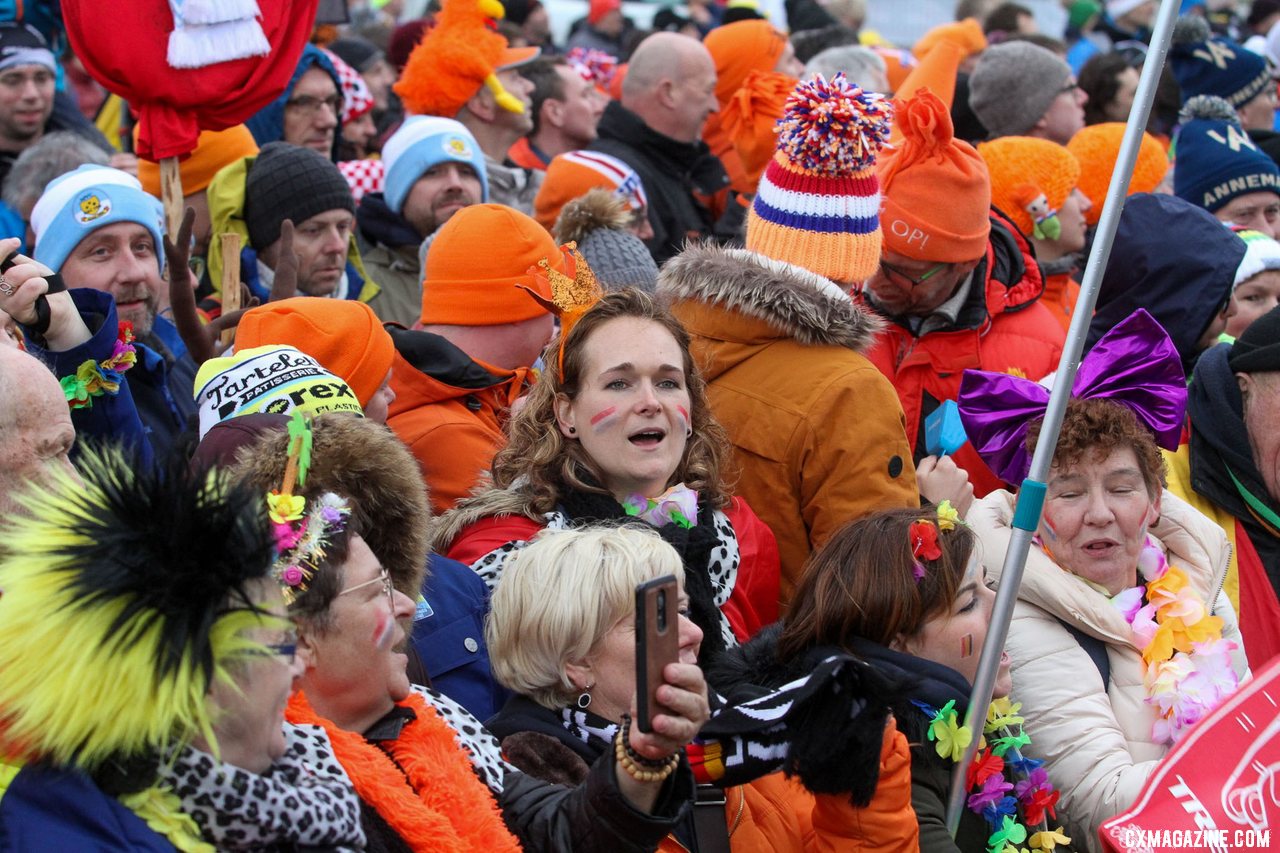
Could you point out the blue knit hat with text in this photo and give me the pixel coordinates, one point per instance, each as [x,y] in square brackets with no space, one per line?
[421,143]
[1206,64]
[1215,161]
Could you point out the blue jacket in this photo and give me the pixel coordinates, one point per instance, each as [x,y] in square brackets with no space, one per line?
[448,635]
[63,810]
[267,124]
[111,417]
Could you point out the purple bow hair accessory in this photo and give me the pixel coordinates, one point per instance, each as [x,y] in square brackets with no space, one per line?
[1134,364]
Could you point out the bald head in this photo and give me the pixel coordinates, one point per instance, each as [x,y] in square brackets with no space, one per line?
[670,84]
[35,425]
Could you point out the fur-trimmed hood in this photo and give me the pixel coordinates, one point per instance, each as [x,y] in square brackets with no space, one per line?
[794,302]
[366,463]
[485,501]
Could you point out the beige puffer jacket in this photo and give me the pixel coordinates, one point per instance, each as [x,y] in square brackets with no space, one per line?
[1096,743]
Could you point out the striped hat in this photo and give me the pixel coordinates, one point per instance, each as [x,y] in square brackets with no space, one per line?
[818,203]
[572,174]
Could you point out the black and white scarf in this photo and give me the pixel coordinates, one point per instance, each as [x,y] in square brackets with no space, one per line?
[305,799]
[810,727]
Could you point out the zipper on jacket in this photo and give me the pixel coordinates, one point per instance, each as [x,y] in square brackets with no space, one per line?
[1222,582]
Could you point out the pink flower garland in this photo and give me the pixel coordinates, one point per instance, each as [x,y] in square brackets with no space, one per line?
[1188,664]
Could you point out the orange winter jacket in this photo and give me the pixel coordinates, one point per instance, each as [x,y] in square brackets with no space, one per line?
[449,410]
[1002,327]
[817,432]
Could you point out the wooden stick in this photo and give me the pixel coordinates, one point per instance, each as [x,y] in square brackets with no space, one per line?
[171,194]
[230,280]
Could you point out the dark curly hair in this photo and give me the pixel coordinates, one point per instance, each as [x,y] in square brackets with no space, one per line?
[1100,80]
[862,583]
[1096,428]
[540,461]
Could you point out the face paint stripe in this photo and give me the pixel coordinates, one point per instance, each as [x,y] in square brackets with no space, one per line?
[966,646]
[602,414]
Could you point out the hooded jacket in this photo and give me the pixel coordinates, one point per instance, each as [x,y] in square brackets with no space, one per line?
[671,172]
[770,814]
[1173,259]
[389,247]
[267,124]
[226,213]
[449,410]
[1095,739]
[817,432]
[1001,327]
[1200,473]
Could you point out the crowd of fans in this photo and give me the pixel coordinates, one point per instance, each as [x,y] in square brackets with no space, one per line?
[335,544]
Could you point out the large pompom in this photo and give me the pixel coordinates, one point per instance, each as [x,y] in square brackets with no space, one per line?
[1208,107]
[1191,29]
[832,128]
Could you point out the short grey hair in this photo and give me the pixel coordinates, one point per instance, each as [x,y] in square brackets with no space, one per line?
[52,156]
[560,595]
[862,65]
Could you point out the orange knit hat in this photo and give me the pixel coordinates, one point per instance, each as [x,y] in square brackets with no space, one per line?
[345,336]
[739,48]
[476,264]
[937,194]
[966,34]
[750,115]
[898,64]
[1022,169]
[214,149]
[573,174]
[457,56]
[1097,147]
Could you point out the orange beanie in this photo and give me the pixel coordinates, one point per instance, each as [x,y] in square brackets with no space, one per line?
[573,174]
[1022,168]
[344,335]
[739,48]
[477,262]
[1097,147]
[214,149]
[898,64]
[966,34]
[937,195]
[750,116]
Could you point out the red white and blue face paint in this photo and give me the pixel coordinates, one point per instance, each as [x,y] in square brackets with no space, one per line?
[604,419]
[384,630]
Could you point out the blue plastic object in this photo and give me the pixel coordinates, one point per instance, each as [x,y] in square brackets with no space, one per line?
[943,431]
[1026,515]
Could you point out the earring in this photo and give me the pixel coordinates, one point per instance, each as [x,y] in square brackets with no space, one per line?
[584,698]
[573,430]
[688,433]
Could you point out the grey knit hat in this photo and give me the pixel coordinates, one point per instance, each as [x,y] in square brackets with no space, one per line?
[619,259]
[1013,86]
[290,182]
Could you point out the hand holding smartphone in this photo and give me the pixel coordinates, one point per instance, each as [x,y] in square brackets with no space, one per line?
[657,643]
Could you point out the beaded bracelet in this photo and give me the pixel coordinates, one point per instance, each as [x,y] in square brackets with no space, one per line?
[637,766]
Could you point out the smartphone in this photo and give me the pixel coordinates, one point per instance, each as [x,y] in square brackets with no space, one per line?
[657,642]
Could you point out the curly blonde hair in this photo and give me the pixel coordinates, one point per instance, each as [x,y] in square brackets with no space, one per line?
[541,462]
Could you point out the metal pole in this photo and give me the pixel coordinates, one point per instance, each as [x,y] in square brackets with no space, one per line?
[1026,515]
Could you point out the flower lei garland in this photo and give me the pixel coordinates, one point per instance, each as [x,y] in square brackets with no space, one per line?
[988,779]
[678,504]
[1188,670]
[93,379]
[301,535]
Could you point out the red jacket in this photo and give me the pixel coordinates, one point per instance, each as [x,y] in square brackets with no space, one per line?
[753,601]
[1002,327]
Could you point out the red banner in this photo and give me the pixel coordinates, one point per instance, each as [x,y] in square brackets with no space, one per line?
[1218,789]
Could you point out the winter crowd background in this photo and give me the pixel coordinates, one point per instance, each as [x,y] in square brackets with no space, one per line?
[352,565]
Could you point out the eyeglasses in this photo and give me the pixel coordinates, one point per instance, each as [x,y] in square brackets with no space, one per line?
[914,282]
[312,104]
[383,578]
[287,649]
[1072,86]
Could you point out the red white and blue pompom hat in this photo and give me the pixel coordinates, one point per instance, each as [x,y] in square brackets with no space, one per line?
[818,202]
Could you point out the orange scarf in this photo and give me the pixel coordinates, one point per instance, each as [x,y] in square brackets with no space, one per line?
[444,806]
